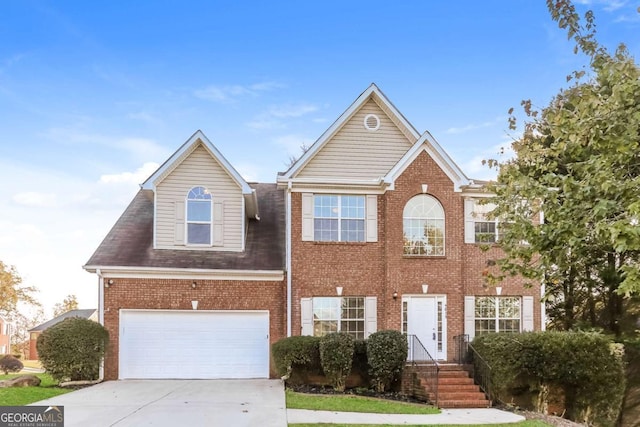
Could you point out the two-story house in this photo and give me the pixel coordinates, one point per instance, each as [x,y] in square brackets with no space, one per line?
[374,227]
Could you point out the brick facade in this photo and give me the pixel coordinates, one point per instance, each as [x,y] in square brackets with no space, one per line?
[173,294]
[379,269]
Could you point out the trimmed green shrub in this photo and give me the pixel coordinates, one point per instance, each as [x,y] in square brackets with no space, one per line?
[586,367]
[72,349]
[336,356]
[298,351]
[387,356]
[9,363]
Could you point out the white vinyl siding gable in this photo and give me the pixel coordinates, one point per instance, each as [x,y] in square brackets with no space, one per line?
[357,153]
[199,168]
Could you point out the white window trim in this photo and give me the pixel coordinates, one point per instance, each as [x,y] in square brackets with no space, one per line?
[370,314]
[444,228]
[340,218]
[471,218]
[497,317]
[187,222]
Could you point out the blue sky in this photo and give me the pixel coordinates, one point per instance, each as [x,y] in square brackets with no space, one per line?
[94,95]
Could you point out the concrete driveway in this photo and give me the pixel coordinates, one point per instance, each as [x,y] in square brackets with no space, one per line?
[172,403]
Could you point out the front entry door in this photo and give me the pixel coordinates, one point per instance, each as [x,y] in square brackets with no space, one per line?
[426,320]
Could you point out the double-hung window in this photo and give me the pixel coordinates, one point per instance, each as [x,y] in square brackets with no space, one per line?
[479,228]
[339,314]
[339,218]
[497,314]
[199,216]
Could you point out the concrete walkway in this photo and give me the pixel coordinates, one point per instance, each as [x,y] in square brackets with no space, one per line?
[448,416]
[170,403]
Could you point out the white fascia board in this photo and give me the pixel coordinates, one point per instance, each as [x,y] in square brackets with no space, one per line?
[344,117]
[332,185]
[150,183]
[186,273]
[434,150]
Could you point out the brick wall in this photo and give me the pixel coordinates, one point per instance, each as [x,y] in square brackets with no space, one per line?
[171,294]
[380,269]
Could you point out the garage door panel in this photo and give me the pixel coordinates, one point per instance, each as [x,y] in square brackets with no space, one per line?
[176,344]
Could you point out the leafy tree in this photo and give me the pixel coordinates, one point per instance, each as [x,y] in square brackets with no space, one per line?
[69,303]
[577,170]
[11,290]
[21,324]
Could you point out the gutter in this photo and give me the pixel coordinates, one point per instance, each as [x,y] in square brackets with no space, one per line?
[288,256]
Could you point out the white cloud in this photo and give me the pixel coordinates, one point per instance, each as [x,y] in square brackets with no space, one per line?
[141,148]
[231,93]
[35,199]
[291,110]
[144,116]
[475,126]
[272,117]
[49,244]
[607,5]
[136,177]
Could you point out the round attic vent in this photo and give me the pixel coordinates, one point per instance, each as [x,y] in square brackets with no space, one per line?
[371,122]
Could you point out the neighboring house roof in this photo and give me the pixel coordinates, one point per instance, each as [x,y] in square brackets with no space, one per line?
[130,241]
[181,153]
[85,313]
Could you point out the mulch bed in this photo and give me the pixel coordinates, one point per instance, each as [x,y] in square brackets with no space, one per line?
[359,391]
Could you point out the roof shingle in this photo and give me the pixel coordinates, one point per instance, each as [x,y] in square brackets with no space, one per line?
[130,241]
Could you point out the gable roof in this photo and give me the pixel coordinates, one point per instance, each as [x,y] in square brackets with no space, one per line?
[85,314]
[129,244]
[371,92]
[177,158]
[434,150]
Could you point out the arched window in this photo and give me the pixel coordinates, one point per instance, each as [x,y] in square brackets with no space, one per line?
[199,216]
[423,226]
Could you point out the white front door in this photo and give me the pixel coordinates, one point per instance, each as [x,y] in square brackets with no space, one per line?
[426,320]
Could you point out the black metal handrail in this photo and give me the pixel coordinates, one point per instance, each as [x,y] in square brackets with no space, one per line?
[419,356]
[462,349]
[481,372]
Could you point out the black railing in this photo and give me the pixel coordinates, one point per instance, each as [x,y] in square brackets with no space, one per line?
[481,372]
[462,349]
[420,359]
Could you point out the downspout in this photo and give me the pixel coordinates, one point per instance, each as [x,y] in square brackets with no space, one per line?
[288,256]
[100,316]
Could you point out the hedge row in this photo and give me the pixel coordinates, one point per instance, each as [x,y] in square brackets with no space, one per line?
[585,369]
[378,359]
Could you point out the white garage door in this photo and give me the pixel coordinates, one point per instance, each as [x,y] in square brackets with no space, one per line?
[194,344]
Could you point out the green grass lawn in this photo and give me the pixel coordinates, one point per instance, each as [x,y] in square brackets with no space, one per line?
[351,403]
[16,396]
